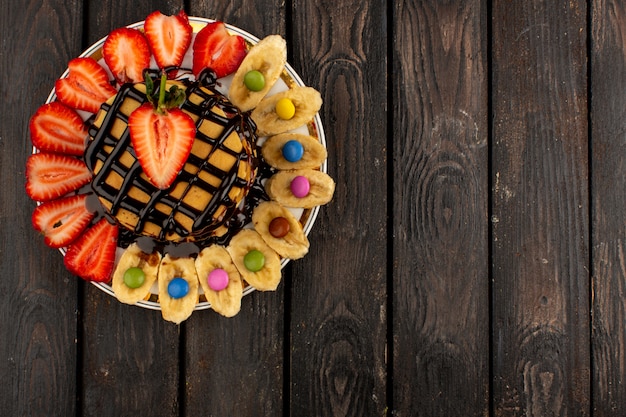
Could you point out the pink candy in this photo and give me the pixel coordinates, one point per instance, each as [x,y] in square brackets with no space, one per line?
[217,279]
[300,186]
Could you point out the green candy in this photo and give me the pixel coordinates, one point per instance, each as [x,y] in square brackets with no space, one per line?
[254,80]
[134,277]
[254,260]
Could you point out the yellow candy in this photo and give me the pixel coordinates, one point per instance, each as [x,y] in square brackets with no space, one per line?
[285,109]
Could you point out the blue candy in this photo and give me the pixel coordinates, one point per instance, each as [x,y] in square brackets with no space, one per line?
[293,151]
[178,288]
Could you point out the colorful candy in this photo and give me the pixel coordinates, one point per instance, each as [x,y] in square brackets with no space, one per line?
[178,288]
[279,227]
[285,109]
[217,279]
[254,260]
[300,186]
[254,80]
[293,150]
[134,277]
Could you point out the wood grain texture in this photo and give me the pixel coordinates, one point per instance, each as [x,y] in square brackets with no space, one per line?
[234,366]
[130,359]
[440,303]
[130,356]
[541,355]
[608,121]
[37,296]
[338,298]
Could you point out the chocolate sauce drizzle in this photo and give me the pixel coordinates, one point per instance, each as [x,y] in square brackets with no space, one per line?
[204,223]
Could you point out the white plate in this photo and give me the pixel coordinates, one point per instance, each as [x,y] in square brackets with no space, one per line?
[289,77]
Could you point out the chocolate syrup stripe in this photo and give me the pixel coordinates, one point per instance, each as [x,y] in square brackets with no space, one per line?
[147,212]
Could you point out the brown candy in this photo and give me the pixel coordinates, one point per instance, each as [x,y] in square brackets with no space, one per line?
[279,227]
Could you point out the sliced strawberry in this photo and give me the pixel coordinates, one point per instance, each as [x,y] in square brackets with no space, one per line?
[92,255]
[217,49]
[86,86]
[56,128]
[127,54]
[161,134]
[162,142]
[61,221]
[169,37]
[50,176]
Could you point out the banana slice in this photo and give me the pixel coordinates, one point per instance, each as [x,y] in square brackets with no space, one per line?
[280,230]
[314,153]
[306,100]
[280,187]
[269,57]
[268,276]
[132,257]
[227,301]
[177,309]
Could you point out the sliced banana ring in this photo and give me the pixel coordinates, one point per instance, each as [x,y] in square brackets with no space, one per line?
[306,100]
[227,301]
[268,276]
[269,57]
[134,257]
[177,309]
[281,188]
[314,153]
[271,220]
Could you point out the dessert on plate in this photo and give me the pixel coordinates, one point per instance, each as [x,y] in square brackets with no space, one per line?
[184,174]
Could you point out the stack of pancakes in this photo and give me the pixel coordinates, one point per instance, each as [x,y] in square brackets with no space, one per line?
[208,190]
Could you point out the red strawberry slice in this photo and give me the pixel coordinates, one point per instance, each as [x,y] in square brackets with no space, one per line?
[169,37]
[161,133]
[57,128]
[86,86]
[217,49]
[50,176]
[162,142]
[61,221]
[92,255]
[127,54]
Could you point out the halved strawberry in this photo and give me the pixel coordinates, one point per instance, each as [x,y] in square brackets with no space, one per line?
[169,37]
[127,54]
[50,176]
[86,86]
[162,134]
[61,221]
[217,49]
[56,128]
[92,255]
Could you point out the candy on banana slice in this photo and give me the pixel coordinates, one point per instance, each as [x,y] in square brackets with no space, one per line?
[293,151]
[258,264]
[305,188]
[213,264]
[178,288]
[280,230]
[135,274]
[270,117]
[268,57]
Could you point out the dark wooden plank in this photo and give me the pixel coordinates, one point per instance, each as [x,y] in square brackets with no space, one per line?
[338,298]
[130,356]
[608,121]
[234,366]
[541,353]
[37,297]
[441,315]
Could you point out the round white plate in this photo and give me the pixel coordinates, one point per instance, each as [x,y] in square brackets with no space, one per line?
[289,77]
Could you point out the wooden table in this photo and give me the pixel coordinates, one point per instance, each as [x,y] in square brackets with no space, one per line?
[472,262]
